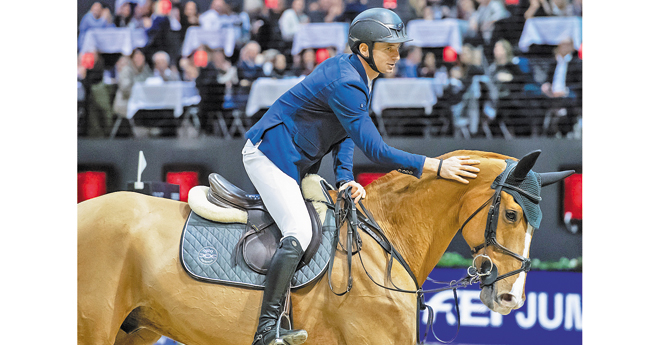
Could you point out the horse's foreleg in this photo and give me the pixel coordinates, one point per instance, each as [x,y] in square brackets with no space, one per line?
[142,336]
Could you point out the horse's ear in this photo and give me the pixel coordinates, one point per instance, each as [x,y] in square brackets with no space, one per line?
[552,177]
[525,165]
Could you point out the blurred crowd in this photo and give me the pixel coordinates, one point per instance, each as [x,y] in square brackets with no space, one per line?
[513,94]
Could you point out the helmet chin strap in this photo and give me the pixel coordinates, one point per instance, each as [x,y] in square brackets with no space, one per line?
[370,60]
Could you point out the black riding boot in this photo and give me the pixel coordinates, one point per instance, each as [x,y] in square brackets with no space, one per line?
[282,267]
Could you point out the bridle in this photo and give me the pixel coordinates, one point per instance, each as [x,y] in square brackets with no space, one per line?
[487,273]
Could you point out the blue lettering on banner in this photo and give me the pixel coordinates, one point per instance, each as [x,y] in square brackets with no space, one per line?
[552,313]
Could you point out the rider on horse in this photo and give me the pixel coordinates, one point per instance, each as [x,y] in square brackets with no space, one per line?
[327,111]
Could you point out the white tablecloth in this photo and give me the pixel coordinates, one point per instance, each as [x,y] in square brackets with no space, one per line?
[265,91]
[550,30]
[167,95]
[113,40]
[437,33]
[320,35]
[196,36]
[403,93]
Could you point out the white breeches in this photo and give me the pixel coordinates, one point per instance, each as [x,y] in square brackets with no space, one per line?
[280,193]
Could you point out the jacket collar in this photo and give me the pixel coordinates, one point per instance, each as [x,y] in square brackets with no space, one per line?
[357,64]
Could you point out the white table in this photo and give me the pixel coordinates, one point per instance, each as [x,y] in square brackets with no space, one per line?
[403,93]
[196,36]
[113,40]
[437,33]
[265,91]
[320,35]
[550,30]
[166,95]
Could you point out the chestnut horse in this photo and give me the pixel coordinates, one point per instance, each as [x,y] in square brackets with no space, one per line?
[128,263]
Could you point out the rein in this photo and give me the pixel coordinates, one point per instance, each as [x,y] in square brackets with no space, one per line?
[346,212]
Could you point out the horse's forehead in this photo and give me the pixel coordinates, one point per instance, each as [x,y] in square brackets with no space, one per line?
[509,202]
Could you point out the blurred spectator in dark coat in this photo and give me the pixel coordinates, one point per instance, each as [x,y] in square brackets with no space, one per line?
[97,97]
[97,17]
[428,67]
[213,82]
[248,69]
[563,87]
[160,33]
[136,70]
[189,17]
[266,28]
[513,106]
[125,16]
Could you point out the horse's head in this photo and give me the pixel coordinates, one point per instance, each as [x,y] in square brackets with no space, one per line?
[498,224]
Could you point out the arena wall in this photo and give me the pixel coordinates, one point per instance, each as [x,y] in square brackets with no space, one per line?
[120,159]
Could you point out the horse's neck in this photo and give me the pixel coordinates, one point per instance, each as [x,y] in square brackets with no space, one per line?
[418,220]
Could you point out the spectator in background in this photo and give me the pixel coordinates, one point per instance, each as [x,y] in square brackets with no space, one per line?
[248,69]
[136,70]
[266,28]
[266,59]
[97,17]
[577,7]
[292,19]
[190,17]
[563,88]
[124,17]
[428,68]
[215,17]
[163,68]
[407,66]
[562,8]
[142,13]
[483,19]
[97,97]
[280,68]
[326,11]
[308,58]
[189,72]
[239,20]
[510,81]
[538,8]
[160,34]
[441,9]
[213,83]
[353,8]
[466,8]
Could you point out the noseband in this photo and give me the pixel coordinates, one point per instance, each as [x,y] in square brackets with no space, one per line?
[487,274]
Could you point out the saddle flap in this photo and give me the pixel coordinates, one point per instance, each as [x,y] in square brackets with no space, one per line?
[260,243]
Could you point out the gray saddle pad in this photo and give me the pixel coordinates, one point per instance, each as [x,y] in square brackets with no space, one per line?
[207,248]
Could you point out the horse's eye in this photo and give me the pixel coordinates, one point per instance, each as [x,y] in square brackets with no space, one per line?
[511,216]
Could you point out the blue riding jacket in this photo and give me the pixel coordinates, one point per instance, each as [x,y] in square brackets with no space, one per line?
[327,111]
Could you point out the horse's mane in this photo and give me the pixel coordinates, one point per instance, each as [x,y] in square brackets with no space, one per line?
[392,175]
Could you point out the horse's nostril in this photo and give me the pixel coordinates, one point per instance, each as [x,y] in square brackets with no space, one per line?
[507,298]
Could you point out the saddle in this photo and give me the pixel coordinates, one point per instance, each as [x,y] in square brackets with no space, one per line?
[262,236]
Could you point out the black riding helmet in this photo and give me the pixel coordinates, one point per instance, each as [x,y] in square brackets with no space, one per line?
[375,25]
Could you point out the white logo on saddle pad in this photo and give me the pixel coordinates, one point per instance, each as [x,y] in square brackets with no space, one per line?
[208,255]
